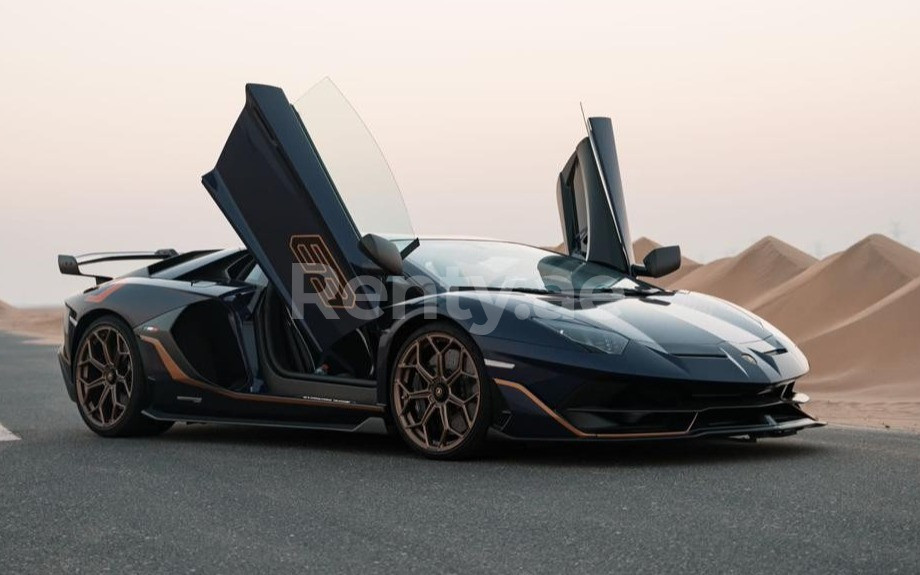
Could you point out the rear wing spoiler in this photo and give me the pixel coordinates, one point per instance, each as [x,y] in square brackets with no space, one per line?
[70,265]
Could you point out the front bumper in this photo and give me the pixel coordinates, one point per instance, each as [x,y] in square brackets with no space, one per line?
[764,415]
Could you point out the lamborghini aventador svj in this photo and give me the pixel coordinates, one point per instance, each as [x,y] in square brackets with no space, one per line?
[336,315]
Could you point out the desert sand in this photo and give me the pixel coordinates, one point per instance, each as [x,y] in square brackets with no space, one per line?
[875,353]
[40,325]
[843,284]
[744,277]
[855,314]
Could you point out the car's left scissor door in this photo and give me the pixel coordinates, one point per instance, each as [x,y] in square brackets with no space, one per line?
[273,186]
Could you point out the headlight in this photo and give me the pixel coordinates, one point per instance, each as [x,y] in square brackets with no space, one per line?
[593,338]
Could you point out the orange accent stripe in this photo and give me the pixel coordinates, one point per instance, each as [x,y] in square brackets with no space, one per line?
[579,433]
[100,296]
[177,374]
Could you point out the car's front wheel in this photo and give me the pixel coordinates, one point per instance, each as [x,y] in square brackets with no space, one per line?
[110,381]
[440,399]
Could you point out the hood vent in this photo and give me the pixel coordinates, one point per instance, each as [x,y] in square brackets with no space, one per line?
[700,355]
[777,351]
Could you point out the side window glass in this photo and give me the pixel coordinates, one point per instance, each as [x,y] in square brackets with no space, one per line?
[257,277]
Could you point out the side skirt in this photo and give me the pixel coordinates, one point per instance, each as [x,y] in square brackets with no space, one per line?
[372,424]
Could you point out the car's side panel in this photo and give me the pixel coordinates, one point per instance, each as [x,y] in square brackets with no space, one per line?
[182,391]
[134,299]
[179,393]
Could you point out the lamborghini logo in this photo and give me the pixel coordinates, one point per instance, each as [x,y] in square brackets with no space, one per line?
[324,273]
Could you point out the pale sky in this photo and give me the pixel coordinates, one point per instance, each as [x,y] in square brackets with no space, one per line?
[734,119]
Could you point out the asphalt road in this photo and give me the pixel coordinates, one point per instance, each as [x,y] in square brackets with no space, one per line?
[222,499]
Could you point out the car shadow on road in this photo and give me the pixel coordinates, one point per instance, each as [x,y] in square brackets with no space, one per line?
[680,452]
[638,453]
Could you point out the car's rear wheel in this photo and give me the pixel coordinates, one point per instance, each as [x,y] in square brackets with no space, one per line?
[440,395]
[110,381]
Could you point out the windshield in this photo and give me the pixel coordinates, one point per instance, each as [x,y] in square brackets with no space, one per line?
[355,163]
[482,264]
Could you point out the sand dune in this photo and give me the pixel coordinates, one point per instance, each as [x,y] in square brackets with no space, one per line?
[832,291]
[743,278]
[867,370]
[873,354]
[41,324]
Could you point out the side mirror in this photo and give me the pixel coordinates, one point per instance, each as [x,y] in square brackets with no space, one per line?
[659,262]
[382,252]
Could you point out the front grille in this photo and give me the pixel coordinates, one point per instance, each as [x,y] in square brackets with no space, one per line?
[664,395]
[630,421]
[673,407]
[747,416]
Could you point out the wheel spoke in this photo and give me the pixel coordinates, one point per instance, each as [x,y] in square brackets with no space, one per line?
[124,369]
[452,378]
[90,360]
[439,365]
[445,421]
[408,405]
[461,405]
[422,424]
[412,395]
[102,397]
[438,357]
[424,374]
[105,347]
[125,384]
[425,417]
[417,366]
[469,363]
[113,399]
[428,413]
[87,386]
[424,432]
[446,429]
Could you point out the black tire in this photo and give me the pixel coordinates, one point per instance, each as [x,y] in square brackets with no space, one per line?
[110,381]
[450,397]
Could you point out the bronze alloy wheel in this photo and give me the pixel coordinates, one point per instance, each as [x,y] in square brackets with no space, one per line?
[104,376]
[437,392]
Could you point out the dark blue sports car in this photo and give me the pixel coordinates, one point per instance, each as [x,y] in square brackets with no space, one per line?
[337,316]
